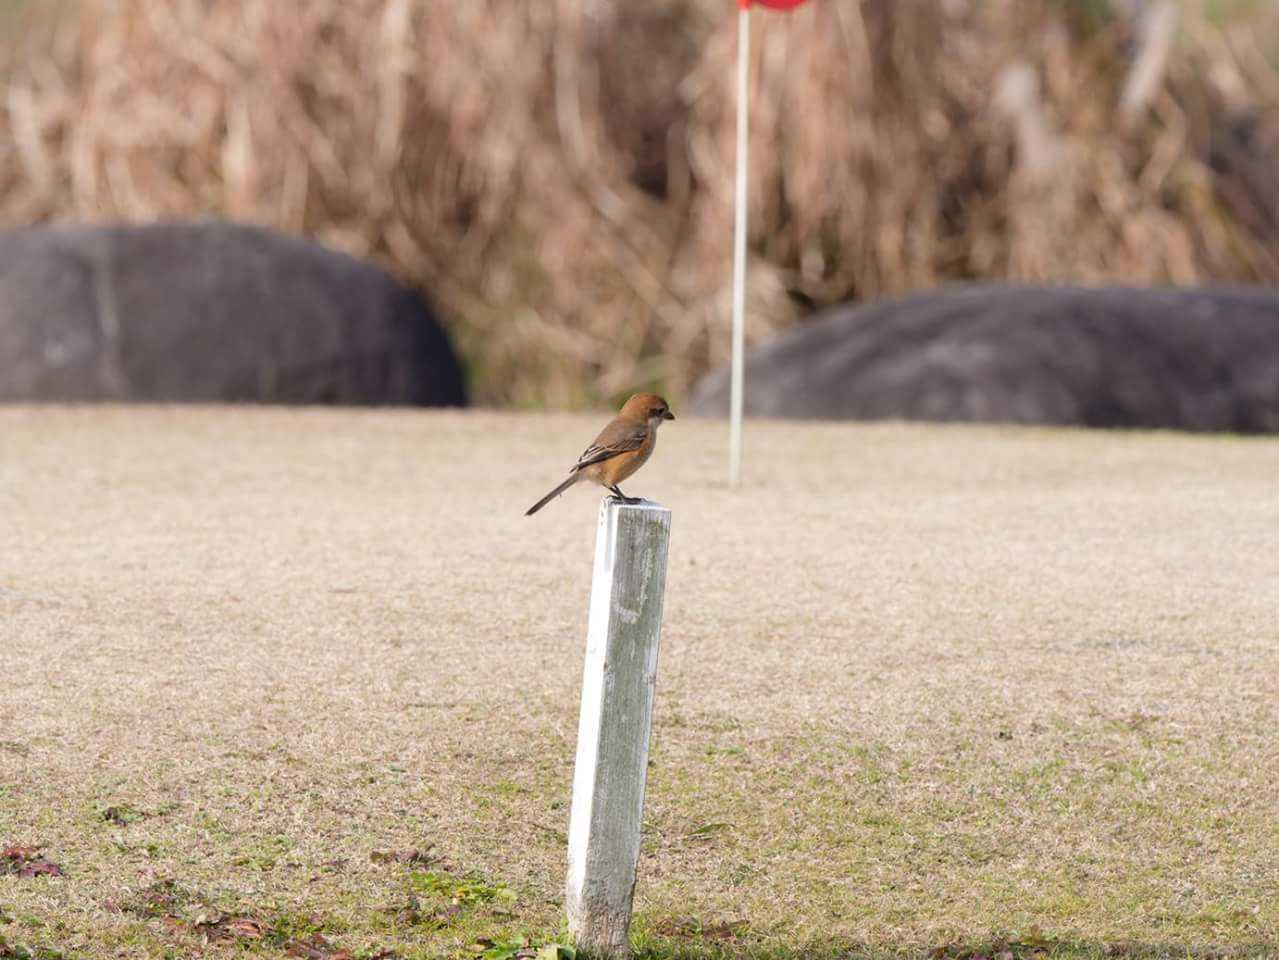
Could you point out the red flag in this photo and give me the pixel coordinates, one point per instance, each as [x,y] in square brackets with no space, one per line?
[771,4]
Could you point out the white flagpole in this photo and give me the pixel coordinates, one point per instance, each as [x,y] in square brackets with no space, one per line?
[739,248]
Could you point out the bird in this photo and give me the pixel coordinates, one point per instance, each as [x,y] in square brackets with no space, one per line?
[621,448]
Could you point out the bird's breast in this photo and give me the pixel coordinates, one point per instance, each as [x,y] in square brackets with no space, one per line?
[616,469]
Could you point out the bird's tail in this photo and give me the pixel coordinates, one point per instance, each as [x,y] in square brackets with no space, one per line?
[572,479]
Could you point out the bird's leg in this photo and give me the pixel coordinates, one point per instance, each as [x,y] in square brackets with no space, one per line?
[617,492]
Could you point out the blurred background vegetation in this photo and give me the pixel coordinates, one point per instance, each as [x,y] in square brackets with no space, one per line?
[556,175]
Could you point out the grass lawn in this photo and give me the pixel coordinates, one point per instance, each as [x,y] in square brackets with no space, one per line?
[307,680]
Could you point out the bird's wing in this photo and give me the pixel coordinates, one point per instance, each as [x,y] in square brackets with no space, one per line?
[618,437]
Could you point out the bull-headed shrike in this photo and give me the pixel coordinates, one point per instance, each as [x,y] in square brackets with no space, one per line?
[621,448]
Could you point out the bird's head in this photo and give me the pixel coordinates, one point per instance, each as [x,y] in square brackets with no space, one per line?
[648,406]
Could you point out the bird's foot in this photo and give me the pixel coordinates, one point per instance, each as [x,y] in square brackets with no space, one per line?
[629,501]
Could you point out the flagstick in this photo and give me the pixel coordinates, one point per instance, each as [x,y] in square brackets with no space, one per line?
[739,247]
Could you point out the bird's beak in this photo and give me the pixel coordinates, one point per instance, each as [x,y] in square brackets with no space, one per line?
[668,415]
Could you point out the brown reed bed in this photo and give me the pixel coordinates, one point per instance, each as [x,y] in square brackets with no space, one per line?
[556,175]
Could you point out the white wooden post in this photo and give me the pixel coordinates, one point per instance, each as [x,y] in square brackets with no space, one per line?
[618,687]
[736,386]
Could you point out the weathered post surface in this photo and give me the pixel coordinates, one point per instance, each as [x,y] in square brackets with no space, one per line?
[618,687]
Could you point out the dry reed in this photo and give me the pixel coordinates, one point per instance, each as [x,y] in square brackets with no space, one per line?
[556,175]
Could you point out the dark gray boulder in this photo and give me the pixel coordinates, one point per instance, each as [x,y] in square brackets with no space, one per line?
[1189,359]
[207,312]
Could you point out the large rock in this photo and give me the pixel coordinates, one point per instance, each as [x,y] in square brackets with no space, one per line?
[210,312]
[1191,359]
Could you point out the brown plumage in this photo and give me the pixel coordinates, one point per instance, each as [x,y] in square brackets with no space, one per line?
[621,448]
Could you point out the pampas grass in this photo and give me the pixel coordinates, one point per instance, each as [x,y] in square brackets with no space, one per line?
[556,175]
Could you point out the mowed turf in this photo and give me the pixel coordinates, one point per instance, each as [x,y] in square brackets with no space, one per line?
[922,690]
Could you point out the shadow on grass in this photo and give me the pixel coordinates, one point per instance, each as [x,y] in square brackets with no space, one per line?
[666,948]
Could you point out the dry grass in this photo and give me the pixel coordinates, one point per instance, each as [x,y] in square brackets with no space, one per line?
[919,686]
[557,174]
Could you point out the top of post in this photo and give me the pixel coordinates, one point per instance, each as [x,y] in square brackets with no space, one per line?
[647,506]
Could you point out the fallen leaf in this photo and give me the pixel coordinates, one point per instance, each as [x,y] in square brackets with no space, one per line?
[725,930]
[40,868]
[25,861]
[315,947]
[247,928]
[217,928]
